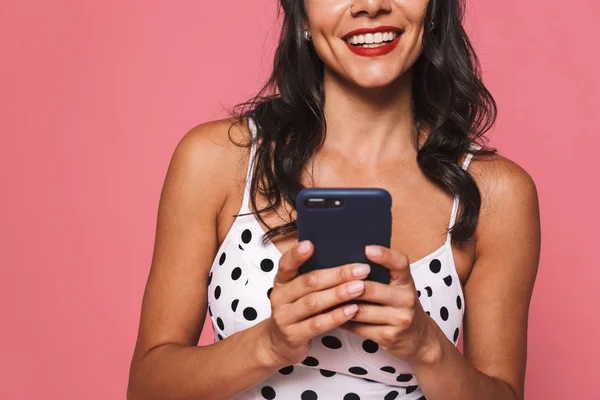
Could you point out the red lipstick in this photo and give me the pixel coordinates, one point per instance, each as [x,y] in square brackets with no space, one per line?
[374,51]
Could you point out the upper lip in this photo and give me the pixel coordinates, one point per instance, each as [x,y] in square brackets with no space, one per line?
[362,31]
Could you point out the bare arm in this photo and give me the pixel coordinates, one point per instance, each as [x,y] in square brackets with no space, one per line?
[497,295]
[167,364]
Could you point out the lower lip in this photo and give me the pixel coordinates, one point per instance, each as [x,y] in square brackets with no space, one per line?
[374,51]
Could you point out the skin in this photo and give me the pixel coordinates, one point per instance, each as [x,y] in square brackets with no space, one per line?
[370,142]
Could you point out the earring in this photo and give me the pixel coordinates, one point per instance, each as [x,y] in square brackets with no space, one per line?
[433,8]
[307,36]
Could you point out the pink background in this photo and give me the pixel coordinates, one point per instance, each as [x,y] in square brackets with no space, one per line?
[95,95]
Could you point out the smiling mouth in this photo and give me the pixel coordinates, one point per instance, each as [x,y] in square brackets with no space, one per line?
[371,40]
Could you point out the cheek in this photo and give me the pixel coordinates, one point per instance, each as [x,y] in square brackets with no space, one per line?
[324,10]
[325,18]
[413,11]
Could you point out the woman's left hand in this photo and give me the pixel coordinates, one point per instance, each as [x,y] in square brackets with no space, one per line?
[397,321]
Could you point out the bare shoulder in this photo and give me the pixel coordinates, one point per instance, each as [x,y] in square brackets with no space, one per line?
[210,156]
[507,189]
[214,144]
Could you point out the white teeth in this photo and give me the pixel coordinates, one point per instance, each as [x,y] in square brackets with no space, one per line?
[371,45]
[371,38]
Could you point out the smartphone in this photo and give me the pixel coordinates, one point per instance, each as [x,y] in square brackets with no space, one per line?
[340,222]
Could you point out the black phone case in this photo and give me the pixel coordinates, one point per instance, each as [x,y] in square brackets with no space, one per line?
[340,235]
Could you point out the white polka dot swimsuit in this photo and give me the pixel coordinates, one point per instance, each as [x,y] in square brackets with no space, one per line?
[340,364]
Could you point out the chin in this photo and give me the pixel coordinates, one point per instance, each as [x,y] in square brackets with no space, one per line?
[375,82]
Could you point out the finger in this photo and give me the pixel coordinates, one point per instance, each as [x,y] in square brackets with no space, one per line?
[322,279]
[321,323]
[318,302]
[291,260]
[383,315]
[394,296]
[393,260]
[376,333]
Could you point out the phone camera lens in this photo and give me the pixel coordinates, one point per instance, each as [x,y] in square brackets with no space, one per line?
[315,203]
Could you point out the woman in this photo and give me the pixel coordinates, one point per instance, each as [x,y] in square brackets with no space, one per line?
[370,93]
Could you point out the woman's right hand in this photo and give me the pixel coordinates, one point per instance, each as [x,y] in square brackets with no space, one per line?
[298,303]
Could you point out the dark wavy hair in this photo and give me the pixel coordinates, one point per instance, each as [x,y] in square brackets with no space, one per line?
[448,97]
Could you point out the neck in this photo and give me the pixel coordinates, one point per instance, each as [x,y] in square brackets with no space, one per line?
[370,124]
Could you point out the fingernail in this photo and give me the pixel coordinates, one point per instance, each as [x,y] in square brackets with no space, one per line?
[351,309]
[304,247]
[356,287]
[361,270]
[373,251]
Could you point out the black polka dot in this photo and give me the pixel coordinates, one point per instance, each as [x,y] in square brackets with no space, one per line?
[428,313]
[429,291]
[456,333]
[209,311]
[309,395]
[404,377]
[246,282]
[240,247]
[326,373]
[444,313]
[209,278]
[220,323]
[357,370]
[246,236]
[422,398]
[269,293]
[389,369]
[250,313]
[287,370]
[217,292]
[391,395]
[331,342]
[310,361]
[370,346]
[418,293]
[458,302]
[236,273]
[435,265]
[222,259]
[351,396]
[219,336]
[266,265]
[410,389]
[369,380]
[448,280]
[234,304]
[267,392]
